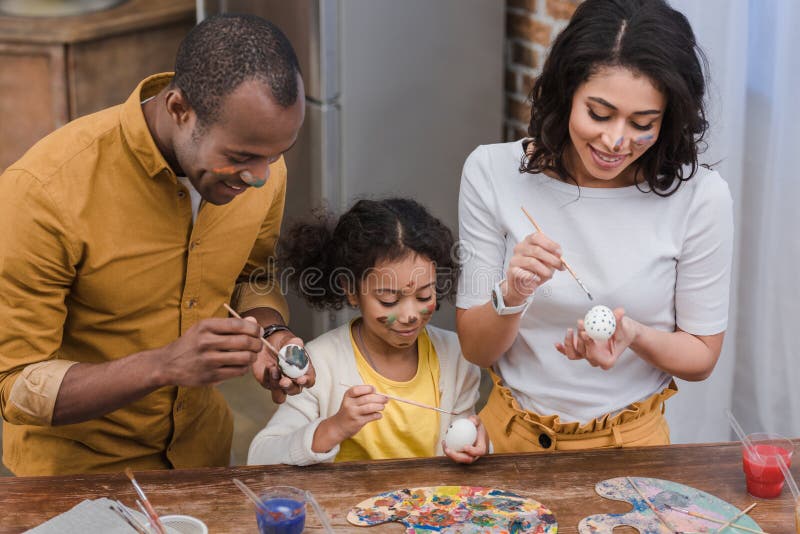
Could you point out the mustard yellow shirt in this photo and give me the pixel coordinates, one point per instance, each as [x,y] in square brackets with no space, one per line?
[99,259]
[404,431]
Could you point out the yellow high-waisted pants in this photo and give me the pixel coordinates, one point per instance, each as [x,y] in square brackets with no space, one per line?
[513,429]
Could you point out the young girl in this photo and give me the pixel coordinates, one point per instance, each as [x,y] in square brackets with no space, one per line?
[611,173]
[392,261]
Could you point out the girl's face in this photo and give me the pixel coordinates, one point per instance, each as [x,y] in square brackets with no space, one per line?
[397,299]
[616,116]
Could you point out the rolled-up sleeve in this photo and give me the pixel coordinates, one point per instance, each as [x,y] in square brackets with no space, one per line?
[258,285]
[37,262]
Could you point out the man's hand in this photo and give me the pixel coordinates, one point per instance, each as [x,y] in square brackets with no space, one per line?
[268,373]
[210,352]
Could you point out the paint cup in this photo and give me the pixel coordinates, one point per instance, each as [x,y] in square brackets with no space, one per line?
[762,473]
[183,524]
[283,510]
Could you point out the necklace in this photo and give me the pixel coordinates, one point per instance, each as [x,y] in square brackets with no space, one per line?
[364,349]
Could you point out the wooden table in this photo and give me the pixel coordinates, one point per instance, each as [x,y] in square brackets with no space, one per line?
[562,481]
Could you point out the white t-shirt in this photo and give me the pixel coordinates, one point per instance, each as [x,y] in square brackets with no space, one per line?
[665,260]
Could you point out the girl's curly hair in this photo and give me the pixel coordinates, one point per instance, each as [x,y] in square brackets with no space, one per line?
[325,259]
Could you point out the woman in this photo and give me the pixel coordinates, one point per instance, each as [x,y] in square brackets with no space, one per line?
[610,172]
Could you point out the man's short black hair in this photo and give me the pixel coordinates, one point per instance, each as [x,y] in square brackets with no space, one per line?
[225,50]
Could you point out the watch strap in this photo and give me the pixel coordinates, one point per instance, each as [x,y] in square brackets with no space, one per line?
[271,329]
[500,306]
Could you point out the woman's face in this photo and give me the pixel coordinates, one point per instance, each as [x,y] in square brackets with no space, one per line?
[397,300]
[616,116]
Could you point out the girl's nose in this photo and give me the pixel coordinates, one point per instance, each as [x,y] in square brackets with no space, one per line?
[408,314]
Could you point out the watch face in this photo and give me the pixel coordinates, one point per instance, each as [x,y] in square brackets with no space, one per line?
[494,300]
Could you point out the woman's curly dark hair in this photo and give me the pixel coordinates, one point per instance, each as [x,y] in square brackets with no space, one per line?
[649,38]
[324,259]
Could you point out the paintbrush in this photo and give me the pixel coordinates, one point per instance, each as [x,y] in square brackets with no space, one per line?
[149,511]
[713,519]
[650,505]
[266,343]
[323,517]
[563,261]
[407,401]
[250,493]
[122,511]
[733,520]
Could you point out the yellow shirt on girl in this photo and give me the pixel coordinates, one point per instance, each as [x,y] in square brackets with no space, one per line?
[404,431]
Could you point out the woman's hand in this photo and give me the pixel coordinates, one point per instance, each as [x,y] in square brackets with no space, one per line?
[474,451]
[535,260]
[603,354]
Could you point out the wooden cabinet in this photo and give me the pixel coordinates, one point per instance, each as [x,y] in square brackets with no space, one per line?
[53,70]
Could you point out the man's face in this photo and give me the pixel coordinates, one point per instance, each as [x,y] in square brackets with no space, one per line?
[224,159]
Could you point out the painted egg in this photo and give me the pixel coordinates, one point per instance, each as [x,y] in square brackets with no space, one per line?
[460,434]
[600,323]
[293,360]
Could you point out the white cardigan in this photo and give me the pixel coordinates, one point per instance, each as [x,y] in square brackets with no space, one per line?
[288,435]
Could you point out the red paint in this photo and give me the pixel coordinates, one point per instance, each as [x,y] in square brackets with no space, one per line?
[763,475]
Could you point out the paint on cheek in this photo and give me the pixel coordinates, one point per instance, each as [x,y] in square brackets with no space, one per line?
[388,320]
[225,170]
[427,310]
[644,139]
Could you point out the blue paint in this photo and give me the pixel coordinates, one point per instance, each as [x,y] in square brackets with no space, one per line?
[281,516]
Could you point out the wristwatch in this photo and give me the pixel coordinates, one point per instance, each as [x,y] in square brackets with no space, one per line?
[271,329]
[500,306]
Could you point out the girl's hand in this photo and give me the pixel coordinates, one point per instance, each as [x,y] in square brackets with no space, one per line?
[360,405]
[535,260]
[601,354]
[474,451]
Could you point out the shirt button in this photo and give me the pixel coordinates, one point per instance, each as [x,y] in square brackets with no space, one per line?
[545,441]
[191,303]
[194,244]
[181,193]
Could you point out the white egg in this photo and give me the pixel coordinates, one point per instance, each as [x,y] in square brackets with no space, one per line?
[461,433]
[600,323]
[293,360]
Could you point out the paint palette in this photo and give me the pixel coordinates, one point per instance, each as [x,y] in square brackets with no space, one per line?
[456,509]
[665,497]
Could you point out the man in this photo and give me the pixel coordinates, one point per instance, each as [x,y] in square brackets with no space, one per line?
[124,234]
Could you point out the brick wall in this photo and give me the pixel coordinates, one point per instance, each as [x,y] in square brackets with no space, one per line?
[530,27]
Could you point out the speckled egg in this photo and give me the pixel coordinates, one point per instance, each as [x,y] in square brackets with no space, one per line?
[600,323]
[460,434]
[293,360]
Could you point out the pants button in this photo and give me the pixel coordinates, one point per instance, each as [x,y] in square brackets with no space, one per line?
[545,441]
